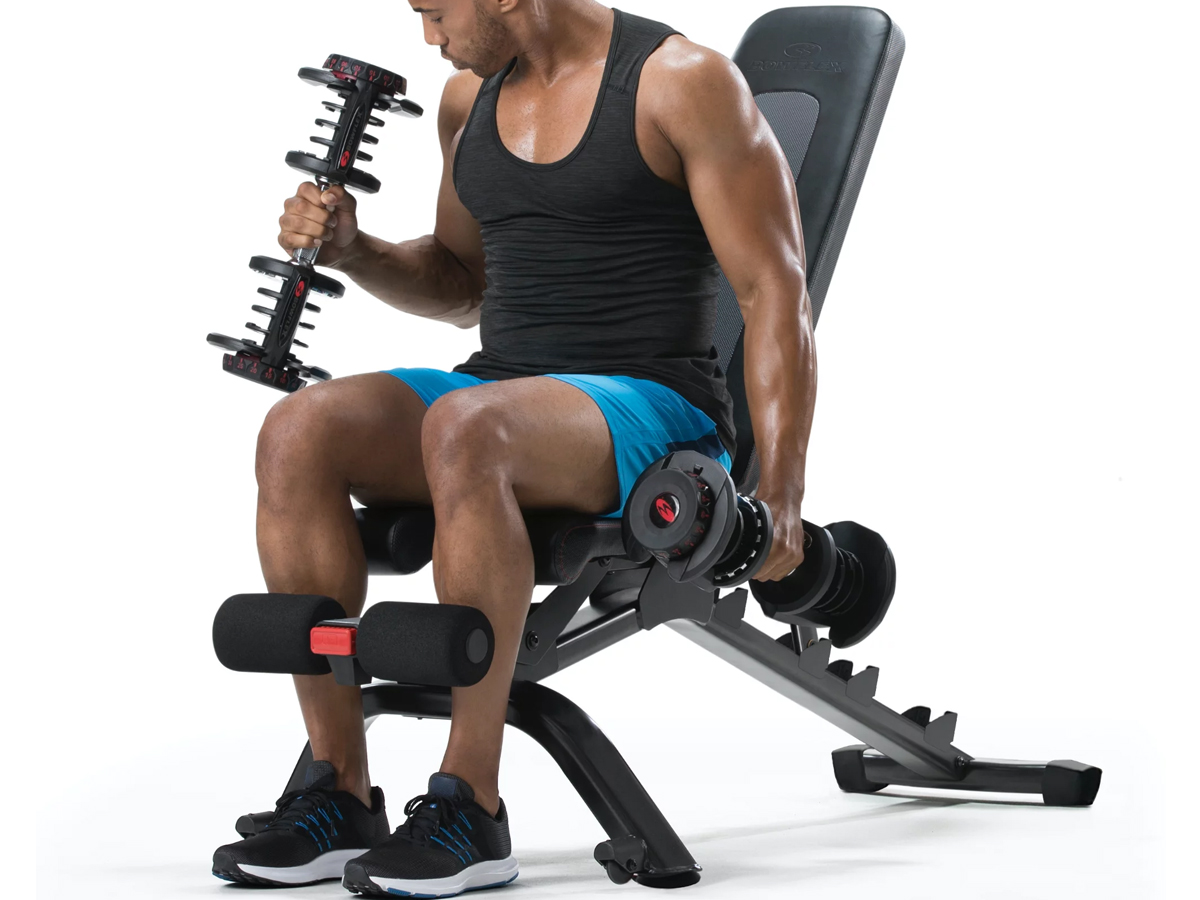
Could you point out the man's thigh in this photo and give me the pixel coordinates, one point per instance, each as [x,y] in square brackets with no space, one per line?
[363,429]
[546,438]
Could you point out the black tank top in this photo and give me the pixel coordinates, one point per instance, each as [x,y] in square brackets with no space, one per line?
[594,264]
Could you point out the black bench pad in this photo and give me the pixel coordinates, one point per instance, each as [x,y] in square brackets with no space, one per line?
[400,541]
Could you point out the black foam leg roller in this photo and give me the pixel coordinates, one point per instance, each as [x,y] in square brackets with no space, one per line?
[270,632]
[425,643]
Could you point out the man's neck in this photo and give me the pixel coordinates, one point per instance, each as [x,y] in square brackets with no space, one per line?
[559,38]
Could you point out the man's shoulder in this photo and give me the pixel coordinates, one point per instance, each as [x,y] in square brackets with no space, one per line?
[680,68]
[683,79]
[458,96]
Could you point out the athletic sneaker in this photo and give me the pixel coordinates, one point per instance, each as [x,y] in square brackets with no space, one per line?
[448,844]
[315,831]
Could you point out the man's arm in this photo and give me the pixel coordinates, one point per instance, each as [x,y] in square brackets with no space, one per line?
[438,276]
[743,191]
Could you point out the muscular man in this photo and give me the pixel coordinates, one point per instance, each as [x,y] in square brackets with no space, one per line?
[598,167]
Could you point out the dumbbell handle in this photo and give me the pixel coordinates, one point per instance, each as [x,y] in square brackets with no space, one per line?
[308,255]
[810,532]
[771,531]
[829,576]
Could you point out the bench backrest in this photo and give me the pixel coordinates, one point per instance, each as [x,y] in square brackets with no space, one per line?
[822,76]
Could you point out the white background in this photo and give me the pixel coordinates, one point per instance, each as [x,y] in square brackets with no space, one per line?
[1007,393]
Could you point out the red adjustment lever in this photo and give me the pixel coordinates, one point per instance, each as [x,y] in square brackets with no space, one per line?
[329,640]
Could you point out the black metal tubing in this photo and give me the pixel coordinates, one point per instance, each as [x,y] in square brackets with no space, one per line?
[807,679]
[589,760]
[547,620]
[849,704]
[1061,782]
[612,628]
[566,634]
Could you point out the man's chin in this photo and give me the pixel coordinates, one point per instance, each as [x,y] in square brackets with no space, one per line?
[464,66]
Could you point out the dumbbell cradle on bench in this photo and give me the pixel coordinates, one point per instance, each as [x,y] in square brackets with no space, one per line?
[362,90]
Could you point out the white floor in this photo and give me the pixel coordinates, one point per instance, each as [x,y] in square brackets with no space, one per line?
[896,846]
[760,812]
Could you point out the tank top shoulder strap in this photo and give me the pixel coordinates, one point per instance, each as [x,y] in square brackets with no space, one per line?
[488,89]
[491,84]
[483,109]
[637,38]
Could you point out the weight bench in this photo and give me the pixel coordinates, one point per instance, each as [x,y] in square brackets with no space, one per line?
[822,77]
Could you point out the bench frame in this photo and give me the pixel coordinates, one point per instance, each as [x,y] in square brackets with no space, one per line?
[627,597]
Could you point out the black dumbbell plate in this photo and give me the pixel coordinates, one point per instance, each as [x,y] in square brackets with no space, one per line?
[322,284]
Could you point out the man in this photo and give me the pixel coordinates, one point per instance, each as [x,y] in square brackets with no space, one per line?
[597,168]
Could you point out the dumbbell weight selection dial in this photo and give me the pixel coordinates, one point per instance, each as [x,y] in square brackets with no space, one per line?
[685,511]
[361,90]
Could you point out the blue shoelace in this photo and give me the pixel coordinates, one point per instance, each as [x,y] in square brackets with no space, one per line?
[311,811]
[439,820]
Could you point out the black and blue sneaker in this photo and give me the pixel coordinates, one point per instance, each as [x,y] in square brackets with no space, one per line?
[314,832]
[448,844]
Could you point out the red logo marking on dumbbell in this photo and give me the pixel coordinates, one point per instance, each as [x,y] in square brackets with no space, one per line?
[299,287]
[345,160]
[665,510]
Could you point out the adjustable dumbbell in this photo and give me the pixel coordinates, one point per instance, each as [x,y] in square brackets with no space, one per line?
[685,511]
[361,90]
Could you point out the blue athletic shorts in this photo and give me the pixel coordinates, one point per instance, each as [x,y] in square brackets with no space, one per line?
[646,420]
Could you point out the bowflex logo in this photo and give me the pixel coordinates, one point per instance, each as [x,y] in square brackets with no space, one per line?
[291,314]
[353,137]
[799,57]
[665,510]
[802,51]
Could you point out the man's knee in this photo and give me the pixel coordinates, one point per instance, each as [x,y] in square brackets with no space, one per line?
[461,434]
[297,438]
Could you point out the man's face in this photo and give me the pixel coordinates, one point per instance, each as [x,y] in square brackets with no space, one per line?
[469,33]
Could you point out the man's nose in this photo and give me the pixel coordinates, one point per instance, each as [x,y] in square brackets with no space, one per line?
[434,36]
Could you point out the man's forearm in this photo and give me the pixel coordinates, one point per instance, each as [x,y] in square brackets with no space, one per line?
[781,384]
[421,277]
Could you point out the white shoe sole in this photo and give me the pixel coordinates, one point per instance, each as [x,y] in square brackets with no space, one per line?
[326,866]
[486,874]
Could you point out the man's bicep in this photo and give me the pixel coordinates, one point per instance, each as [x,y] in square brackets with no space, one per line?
[454,226]
[739,181]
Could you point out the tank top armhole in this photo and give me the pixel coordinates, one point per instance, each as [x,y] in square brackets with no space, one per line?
[633,93]
[463,134]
